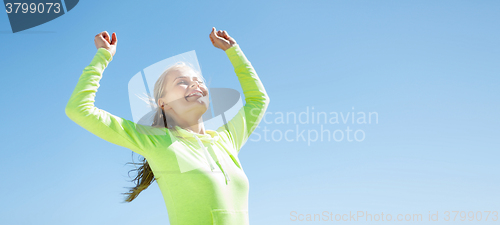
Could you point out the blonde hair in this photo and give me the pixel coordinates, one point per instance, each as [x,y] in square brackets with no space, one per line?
[145,176]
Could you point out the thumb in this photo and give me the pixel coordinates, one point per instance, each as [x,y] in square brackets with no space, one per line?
[214,32]
[113,39]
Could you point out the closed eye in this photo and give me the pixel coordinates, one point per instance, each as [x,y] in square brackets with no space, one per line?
[201,82]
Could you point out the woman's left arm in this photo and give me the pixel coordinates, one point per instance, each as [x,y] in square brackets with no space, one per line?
[241,126]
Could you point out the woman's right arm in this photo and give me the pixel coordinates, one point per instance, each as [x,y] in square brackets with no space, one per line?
[80,108]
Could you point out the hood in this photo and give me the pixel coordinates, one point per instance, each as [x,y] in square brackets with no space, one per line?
[209,139]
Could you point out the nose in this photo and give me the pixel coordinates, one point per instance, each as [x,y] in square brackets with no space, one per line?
[200,86]
[196,83]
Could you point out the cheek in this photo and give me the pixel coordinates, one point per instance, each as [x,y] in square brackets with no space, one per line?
[204,89]
[177,93]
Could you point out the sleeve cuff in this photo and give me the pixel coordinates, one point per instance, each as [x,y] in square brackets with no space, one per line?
[101,59]
[107,55]
[236,56]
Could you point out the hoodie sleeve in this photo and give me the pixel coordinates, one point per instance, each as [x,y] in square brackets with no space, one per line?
[239,128]
[80,108]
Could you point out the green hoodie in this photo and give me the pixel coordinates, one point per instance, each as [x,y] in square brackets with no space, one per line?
[200,176]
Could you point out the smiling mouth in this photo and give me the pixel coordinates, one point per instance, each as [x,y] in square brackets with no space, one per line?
[197,94]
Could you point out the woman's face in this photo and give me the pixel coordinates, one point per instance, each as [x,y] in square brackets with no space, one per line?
[185,94]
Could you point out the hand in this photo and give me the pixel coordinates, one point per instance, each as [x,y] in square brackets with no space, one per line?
[221,39]
[102,40]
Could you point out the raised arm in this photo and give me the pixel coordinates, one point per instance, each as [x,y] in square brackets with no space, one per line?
[241,126]
[80,108]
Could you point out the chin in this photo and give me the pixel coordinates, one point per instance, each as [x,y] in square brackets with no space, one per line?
[200,105]
[202,101]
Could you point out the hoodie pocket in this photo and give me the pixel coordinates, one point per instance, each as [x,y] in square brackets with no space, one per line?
[230,217]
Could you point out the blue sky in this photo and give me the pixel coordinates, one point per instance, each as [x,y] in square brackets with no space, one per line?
[429,69]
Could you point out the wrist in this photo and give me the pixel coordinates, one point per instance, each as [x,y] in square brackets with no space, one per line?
[230,46]
[108,55]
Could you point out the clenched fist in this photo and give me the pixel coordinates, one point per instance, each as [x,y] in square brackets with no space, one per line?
[220,39]
[102,40]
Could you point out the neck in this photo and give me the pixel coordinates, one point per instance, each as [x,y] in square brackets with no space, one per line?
[195,127]
[191,120]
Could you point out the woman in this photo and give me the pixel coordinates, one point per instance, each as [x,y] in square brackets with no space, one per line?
[198,170]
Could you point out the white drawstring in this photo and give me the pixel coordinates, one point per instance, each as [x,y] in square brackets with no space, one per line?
[207,156]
